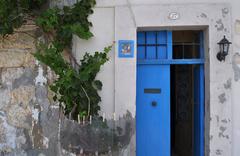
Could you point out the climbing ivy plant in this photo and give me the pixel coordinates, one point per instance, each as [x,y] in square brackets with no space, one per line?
[76,87]
[13,13]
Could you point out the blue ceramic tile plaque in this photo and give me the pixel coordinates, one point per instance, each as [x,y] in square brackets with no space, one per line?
[126,48]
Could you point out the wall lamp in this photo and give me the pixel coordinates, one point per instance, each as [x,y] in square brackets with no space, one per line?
[224,45]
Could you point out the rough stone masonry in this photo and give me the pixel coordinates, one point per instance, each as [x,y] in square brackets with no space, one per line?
[30,124]
[24,96]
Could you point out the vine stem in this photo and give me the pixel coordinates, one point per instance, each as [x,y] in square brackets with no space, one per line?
[72,111]
[89,101]
[73,60]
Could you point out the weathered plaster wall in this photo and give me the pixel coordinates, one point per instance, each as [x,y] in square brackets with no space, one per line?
[235,80]
[30,123]
[103,36]
[26,129]
[216,18]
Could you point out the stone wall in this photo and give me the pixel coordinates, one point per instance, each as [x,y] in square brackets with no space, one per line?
[27,120]
[30,122]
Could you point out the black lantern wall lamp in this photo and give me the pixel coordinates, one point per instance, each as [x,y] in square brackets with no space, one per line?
[224,45]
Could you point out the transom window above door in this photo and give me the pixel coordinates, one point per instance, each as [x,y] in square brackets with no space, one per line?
[162,45]
[152,45]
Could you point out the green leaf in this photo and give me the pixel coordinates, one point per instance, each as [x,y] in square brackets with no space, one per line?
[49,20]
[73,87]
[97,84]
[78,30]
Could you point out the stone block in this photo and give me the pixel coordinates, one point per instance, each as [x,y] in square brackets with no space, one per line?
[7,135]
[18,110]
[24,38]
[23,95]
[5,97]
[19,116]
[10,59]
[12,78]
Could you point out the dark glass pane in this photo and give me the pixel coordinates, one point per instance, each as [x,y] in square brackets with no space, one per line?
[191,51]
[186,45]
[177,52]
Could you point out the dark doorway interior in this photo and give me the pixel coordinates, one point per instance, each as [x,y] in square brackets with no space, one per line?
[186,45]
[182,109]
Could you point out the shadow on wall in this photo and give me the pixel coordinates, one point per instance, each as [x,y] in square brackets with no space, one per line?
[97,137]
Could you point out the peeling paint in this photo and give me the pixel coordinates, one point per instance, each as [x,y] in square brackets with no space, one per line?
[40,79]
[217,118]
[224,121]
[225,11]
[228,84]
[35,114]
[45,142]
[211,137]
[203,15]
[219,152]
[222,131]
[222,98]
[219,25]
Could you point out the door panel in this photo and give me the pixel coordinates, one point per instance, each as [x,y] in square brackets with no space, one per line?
[199,110]
[153,110]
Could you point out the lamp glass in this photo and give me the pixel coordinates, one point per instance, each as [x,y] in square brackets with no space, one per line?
[225,48]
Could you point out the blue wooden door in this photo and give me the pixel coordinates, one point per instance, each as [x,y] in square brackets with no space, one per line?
[198,130]
[198,110]
[154,57]
[153,96]
[153,110]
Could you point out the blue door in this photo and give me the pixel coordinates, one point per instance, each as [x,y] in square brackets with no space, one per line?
[153,110]
[198,110]
[153,96]
[199,84]
[154,57]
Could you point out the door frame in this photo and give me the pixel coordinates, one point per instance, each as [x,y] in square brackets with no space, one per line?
[201,63]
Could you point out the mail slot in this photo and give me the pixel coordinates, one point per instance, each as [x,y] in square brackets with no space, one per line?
[152,90]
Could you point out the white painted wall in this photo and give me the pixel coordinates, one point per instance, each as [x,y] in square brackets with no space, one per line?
[236,84]
[119,19]
[103,30]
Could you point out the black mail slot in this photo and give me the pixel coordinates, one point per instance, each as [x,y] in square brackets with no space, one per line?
[152,90]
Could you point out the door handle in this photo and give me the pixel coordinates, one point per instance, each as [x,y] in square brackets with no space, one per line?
[154,103]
